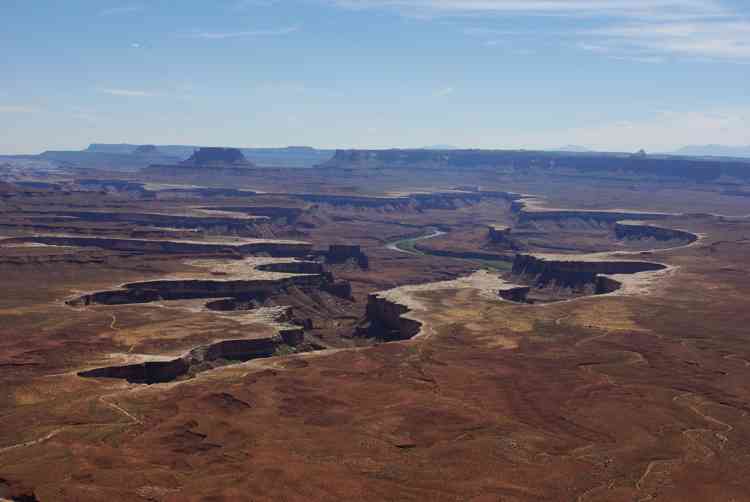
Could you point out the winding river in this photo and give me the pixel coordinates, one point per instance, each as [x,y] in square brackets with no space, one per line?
[407,245]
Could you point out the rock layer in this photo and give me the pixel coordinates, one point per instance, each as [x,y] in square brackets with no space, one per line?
[577,272]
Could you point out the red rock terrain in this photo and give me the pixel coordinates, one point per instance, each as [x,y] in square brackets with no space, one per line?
[637,393]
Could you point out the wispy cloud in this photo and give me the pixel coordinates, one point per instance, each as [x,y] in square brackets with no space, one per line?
[18,109]
[121,10]
[248,4]
[300,88]
[713,39]
[129,93]
[636,30]
[443,91]
[618,8]
[221,35]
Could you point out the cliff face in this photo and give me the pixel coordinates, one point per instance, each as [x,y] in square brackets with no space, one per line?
[501,236]
[634,230]
[280,249]
[436,200]
[239,226]
[517,294]
[198,359]
[339,253]
[525,216]
[386,319]
[150,291]
[576,273]
[150,372]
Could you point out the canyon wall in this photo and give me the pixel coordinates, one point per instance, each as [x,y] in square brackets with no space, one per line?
[340,253]
[386,318]
[150,291]
[636,230]
[575,273]
[280,249]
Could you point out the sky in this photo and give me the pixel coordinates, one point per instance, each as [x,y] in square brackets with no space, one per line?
[616,75]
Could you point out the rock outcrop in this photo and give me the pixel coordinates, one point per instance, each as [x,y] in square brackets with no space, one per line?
[341,253]
[225,224]
[386,321]
[500,235]
[248,247]
[525,215]
[217,157]
[576,272]
[260,290]
[518,294]
[200,359]
[641,230]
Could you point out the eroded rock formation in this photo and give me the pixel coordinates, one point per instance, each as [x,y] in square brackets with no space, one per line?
[217,157]
[340,253]
[639,230]
[199,359]
[576,272]
[150,291]
[272,248]
[518,294]
[500,235]
[385,320]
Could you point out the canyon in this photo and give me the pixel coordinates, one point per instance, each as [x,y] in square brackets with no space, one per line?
[402,325]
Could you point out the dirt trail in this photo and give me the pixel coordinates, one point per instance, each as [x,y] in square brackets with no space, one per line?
[32,442]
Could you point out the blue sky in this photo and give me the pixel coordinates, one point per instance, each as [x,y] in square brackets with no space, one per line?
[606,74]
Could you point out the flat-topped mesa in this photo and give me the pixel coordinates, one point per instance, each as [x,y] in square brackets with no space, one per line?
[637,166]
[244,247]
[215,222]
[642,230]
[147,150]
[577,272]
[341,253]
[217,157]
[238,283]
[260,289]
[526,215]
[202,358]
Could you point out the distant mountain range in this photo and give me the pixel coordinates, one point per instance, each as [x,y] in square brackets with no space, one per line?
[130,157]
[289,156]
[714,151]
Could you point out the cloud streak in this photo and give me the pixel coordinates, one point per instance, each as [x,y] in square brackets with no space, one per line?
[637,30]
[727,40]
[129,93]
[222,35]
[616,8]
